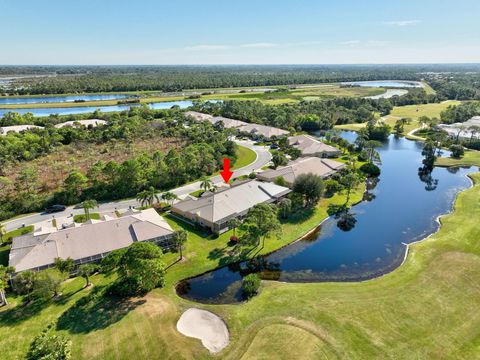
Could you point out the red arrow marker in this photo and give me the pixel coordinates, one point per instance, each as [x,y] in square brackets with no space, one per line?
[226,173]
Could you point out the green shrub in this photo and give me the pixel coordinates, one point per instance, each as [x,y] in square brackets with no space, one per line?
[49,346]
[457,151]
[370,169]
[250,285]
[81,218]
[332,187]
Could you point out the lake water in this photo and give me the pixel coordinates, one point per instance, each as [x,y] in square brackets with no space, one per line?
[60,98]
[385,83]
[404,210]
[88,109]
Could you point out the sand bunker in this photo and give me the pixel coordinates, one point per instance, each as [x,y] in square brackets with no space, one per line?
[206,326]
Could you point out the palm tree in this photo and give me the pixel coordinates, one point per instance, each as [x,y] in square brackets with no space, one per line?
[5,274]
[180,238]
[169,196]
[474,129]
[234,224]
[148,196]
[285,205]
[85,271]
[206,184]
[87,205]
[3,231]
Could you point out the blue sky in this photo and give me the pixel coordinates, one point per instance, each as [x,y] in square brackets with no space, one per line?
[239,32]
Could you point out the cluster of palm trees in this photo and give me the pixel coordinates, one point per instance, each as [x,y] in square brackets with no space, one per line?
[150,196]
[207,185]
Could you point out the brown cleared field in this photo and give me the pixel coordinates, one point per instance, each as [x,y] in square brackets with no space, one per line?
[55,167]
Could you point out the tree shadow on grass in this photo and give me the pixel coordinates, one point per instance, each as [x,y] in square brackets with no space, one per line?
[22,312]
[299,216]
[96,311]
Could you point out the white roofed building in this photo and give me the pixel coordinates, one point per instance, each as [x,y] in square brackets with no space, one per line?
[214,210]
[89,241]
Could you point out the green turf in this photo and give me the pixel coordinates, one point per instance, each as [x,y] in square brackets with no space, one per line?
[471,157]
[197,193]
[245,156]
[409,111]
[425,309]
[139,328]
[17,232]
[81,218]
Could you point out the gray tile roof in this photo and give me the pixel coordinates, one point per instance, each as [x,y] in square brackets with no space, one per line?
[309,145]
[232,201]
[314,165]
[33,251]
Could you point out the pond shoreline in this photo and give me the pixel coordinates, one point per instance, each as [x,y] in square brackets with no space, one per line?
[367,275]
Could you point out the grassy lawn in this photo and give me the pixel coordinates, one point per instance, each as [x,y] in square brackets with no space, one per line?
[409,111]
[140,328]
[426,309]
[245,156]
[81,218]
[197,193]
[314,92]
[471,157]
[17,232]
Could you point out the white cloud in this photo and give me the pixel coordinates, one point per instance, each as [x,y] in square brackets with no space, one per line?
[402,23]
[207,47]
[350,42]
[260,45]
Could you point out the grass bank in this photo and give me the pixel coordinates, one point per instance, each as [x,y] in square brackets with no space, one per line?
[426,309]
[471,158]
[245,156]
[143,328]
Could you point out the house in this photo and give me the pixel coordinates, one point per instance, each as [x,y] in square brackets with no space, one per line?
[229,123]
[213,211]
[198,116]
[304,165]
[78,123]
[462,130]
[89,241]
[311,146]
[258,131]
[17,128]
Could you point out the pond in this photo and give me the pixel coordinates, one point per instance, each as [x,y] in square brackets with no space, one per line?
[402,209]
[385,83]
[89,109]
[60,98]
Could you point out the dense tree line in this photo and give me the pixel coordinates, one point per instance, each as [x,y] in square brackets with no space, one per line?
[460,113]
[204,147]
[74,79]
[306,115]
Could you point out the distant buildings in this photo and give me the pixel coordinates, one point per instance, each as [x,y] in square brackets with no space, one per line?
[310,146]
[17,128]
[304,165]
[78,123]
[88,123]
[214,210]
[88,242]
[462,130]
[255,131]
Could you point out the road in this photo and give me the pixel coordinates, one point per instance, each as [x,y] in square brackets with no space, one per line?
[263,157]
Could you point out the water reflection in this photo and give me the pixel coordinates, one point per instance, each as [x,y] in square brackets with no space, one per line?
[403,207]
